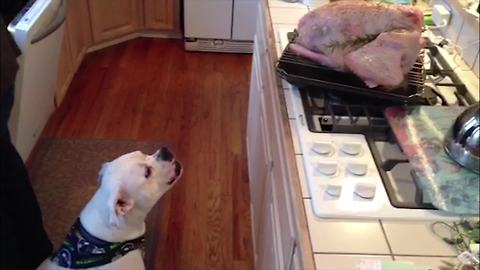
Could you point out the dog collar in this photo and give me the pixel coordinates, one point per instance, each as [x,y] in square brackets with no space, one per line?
[80,249]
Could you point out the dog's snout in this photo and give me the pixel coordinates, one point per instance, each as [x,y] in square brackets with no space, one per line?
[164,154]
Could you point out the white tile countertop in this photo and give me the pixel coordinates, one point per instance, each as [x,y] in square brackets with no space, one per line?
[342,243]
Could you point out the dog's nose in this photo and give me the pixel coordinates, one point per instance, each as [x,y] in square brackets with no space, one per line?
[178,168]
[178,172]
[164,154]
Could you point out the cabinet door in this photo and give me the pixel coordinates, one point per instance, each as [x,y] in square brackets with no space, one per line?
[244,19]
[275,137]
[114,18]
[208,18]
[259,161]
[162,14]
[65,69]
[78,28]
[269,254]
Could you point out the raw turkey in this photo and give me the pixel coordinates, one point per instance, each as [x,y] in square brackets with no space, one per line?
[327,34]
[385,60]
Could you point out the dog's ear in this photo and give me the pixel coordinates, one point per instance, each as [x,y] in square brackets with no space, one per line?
[120,205]
[102,171]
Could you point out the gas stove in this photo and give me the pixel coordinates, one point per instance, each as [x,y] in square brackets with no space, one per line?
[353,164]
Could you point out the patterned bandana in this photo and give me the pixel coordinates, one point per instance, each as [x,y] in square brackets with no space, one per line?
[80,249]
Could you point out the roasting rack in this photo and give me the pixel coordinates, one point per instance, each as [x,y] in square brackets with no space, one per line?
[302,72]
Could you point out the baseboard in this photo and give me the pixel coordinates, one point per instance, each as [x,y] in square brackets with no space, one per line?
[112,42]
[156,34]
[150,34]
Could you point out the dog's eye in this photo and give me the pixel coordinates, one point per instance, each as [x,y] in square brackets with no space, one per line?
[148,171]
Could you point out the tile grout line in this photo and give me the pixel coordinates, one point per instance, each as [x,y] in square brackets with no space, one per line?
[424,256]
[386,239]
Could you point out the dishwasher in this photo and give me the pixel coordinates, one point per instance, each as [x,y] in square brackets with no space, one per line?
[38,31]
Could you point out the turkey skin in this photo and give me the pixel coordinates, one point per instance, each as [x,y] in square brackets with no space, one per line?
[328,34]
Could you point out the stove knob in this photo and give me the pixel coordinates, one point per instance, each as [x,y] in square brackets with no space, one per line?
[322,148]
[327,168]
[334,190]
[352,149]
[359,169]
[365,190]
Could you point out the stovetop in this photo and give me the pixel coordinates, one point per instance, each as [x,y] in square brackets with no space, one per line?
[329,111]
[350,155]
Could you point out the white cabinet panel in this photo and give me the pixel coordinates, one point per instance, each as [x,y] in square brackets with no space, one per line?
[257,147]
[208,18]
[244,19]
[270,253]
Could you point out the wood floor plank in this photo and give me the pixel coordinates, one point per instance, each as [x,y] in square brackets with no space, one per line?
[195,103]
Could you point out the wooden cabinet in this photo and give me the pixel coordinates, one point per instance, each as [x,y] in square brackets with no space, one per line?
[162,15]
[78,29]
[76,40]
[114,18]
[65,69]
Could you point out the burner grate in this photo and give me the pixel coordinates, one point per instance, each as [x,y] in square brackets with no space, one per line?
[440,70]
[329,112]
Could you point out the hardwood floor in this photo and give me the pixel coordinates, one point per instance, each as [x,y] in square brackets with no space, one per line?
[196,103]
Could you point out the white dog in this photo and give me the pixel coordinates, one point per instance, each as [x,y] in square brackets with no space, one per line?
[110,229]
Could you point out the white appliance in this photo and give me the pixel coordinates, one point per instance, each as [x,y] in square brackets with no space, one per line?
[220,25]
[38,31]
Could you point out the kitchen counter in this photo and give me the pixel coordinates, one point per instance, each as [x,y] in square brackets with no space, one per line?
[342,243]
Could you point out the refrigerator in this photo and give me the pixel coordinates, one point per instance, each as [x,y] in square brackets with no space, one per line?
[220,25]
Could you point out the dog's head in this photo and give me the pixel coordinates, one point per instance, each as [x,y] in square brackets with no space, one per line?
[137,180]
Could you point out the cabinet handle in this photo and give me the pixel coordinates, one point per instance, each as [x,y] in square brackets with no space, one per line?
[302,121]
[293,247]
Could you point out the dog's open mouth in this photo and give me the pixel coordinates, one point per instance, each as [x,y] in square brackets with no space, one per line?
[178,172]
